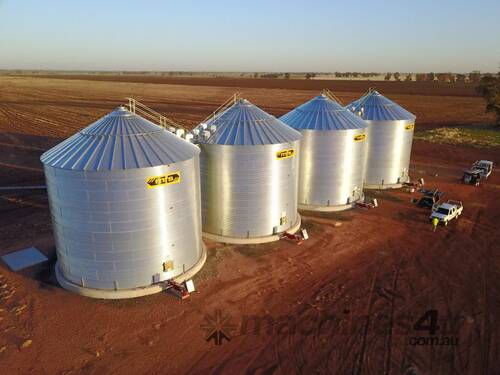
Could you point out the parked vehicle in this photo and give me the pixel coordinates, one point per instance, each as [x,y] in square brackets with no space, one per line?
[472,177]
[485,166]
[445,212]
[429,198]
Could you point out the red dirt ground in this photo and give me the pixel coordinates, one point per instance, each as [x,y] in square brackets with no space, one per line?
[359,286]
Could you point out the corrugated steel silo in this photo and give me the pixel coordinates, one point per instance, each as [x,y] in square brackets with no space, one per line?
[332,154]
[390,137]
[249,176]
[124,197]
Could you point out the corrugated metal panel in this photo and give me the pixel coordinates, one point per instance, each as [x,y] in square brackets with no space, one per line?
[117,141]
[376,107]
[332,154]
[244,124]
[112,231]
[332,165]
[390,136]
[322,113]
[389,150]
[247,191]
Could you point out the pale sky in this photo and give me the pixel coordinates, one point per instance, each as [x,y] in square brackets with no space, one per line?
[258,35]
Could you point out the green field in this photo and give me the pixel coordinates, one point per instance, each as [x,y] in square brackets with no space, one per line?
[479,136]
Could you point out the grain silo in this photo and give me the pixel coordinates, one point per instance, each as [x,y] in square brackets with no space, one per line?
[249,176]
[332,154]
[390,136]
[124,197]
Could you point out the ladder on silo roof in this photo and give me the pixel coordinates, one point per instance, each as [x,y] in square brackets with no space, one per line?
[136,106]
[332,96]
[228,103]
[364,98]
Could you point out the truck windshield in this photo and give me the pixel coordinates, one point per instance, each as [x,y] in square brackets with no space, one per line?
[443,211]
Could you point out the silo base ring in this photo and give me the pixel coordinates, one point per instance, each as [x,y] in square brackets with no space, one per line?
[382,187]
[252,240]
[343,207]
[128,293]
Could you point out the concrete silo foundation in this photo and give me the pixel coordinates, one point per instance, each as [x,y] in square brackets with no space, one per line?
[128,293]
[342,207]
[252,240]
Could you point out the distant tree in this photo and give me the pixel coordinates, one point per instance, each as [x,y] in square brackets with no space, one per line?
[256,75]
[287,75]
[460,78]
[421,77]
[270,75]
[388,76]
[489,88]
[441,77]
[338,74]
[308,75]
[408,77]
[475,76]
[431,76]
[445,77]
[396,76]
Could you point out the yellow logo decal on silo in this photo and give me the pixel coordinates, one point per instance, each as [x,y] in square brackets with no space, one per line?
[410,127]
[168,266]
[168,179]
[359,137]
[283,154]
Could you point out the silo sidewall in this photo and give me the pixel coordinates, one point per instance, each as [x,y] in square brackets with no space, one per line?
[247,191]
[113,232]
[389,150]
[331,166]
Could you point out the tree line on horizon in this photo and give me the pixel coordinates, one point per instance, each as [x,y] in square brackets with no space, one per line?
[472,77]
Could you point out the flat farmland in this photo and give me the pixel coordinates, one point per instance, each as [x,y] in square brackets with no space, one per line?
[346,301]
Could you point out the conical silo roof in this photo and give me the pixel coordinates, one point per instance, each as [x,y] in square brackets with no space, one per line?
[244,124]
[322,113]
[117,141]
[376,107]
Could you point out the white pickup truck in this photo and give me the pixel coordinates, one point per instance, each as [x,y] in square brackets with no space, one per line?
[483,166]
[446,212]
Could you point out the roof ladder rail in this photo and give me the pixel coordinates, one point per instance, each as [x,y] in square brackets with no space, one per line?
[229,102]
[136,106]
[332,96]
[364,97]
